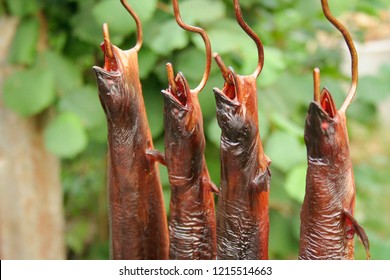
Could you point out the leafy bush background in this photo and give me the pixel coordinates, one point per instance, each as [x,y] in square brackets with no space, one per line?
[57,43]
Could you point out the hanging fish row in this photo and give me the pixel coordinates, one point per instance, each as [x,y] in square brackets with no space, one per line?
[240,228]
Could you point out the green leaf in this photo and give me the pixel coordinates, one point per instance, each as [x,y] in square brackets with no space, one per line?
[296,90]
[274,65]
[76,236]
[84,102]
[99,133]
[295,182]
[286,124]
[214,132]
[373,89]
[226,36]
[24,44]
[22,7]
[29,92]
[168,36]
[147,60]
[86,29]
[282,242]
[65,135]
[264,122]
[363,112]
[192,68]
[67,75]
[118,18]
[285,150]
[154,108]
[193,11]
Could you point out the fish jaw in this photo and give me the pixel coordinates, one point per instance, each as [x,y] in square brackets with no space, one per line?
[120,90]
[325,130]
[327,223]
[181,98]
[237,111]
[181,108]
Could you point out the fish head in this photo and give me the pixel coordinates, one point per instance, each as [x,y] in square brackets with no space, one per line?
[325,130]
[237,106]
[118,82]
[182,113]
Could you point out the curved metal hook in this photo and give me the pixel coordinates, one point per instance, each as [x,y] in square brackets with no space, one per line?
[206,40]
[137,22]
[253,35]
[255,38]
[352,50]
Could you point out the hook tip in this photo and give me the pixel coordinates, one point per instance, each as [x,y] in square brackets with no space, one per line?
[138,23]
[107,41]
[317,84]
[171,77]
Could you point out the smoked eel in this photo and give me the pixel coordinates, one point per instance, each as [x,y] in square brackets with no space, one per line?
[138,225]
[328,225]
[192,228]
[242,213]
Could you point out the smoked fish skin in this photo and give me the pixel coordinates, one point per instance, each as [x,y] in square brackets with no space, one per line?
[327,224]
[242,212]
[192,226]
[137,218]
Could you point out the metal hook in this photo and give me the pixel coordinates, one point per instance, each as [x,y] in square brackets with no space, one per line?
[137,22]
[107,42]
[352,50]
[255,38]
[206,40]
[253,35]
[317,85]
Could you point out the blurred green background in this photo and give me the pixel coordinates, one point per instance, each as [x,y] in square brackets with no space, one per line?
[297,38]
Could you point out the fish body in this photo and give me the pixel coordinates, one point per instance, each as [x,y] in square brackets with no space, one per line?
[327,223]
[192,228]
[242,213]
[138,226]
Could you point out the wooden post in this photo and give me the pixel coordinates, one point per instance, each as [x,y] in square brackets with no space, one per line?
[31,208]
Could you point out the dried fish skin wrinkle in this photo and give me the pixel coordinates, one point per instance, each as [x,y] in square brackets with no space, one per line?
[242,212]
[243,202]
[137,218]
[192,225]
[328,225]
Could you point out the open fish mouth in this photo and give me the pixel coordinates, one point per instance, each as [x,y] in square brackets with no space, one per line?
[110,60]
[180,95]
[327,104]
[229,92]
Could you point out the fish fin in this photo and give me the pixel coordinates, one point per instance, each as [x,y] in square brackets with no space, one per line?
[207,183]
[156,156]
[261,181]
[360,233]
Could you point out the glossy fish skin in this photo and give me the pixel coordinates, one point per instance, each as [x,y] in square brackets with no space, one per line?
[327,223]
[192,215]
[138,226]
[242,213]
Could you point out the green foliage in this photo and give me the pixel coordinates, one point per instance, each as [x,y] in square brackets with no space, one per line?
[23,49]
[285,150]
[67,75]
[30,91]
[65,135]
[59,77]
[21,7]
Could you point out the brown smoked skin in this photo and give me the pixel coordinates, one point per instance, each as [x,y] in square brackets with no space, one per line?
[242,213]
[192,228]
[138,226]
[327,223]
